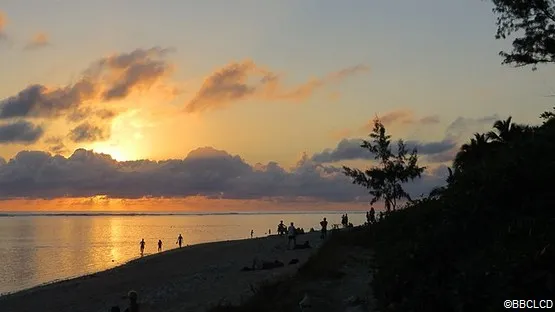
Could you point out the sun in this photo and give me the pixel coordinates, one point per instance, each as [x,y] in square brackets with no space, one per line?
[116,152]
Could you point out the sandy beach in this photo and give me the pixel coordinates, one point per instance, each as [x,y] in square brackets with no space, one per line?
[192,278]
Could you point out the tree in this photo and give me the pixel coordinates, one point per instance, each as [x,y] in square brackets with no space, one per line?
[535,20]
[471,154]
[505,131]
[384,181]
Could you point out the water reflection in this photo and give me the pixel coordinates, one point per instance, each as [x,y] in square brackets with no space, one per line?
[35,250]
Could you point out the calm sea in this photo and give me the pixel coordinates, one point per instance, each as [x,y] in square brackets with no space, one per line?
[37,248]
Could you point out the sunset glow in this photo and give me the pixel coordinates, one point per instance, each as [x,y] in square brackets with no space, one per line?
[260,111]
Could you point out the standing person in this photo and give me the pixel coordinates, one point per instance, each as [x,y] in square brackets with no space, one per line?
[252,233]
[291,235]
[179,240]
[142,243]
[372,215]
[159,245]
[281,228]
[133,302]
[324,224]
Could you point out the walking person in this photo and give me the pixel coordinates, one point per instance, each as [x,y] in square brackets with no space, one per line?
[142,243]
[179,240]
[159,245]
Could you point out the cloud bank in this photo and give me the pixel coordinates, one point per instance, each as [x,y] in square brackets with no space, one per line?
[204,172]
[433,152]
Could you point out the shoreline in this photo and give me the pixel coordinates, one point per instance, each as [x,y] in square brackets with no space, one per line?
[181,277]
[65,279]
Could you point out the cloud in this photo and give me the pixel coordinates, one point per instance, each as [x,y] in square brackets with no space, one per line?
[87,132]
[433,152]
[462,126]
[56,145]
[402,117]
[433,119]
[39,40]
[350,149]
[20,132]
[204,172]
[245,80]
[460,131]
[107,79]
[3,22]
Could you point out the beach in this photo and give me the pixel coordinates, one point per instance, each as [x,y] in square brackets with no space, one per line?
[191,278]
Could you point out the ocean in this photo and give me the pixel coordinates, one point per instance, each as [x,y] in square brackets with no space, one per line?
[39,248]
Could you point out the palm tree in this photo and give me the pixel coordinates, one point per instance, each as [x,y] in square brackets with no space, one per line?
[506,131]
[471,153]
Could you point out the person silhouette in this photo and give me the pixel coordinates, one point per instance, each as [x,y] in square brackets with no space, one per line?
[179,240]
[324,224]
[159,245]
[291,235]
[142,243]
[281,228]
[252,233]
[133,302]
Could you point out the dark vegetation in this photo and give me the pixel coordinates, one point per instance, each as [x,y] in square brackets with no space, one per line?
[384,181]
[485,237]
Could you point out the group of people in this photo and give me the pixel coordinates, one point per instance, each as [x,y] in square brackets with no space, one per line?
[291,233]
[345,220]
[142,244]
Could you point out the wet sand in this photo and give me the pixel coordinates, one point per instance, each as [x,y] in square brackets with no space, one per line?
[192,278]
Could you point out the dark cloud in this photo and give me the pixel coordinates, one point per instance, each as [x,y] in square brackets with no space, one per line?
[20,132]
[138,68]
[107,79]
[350,149]
[433,152]
[38,101]
[87,132]
[56,145]
[204,172]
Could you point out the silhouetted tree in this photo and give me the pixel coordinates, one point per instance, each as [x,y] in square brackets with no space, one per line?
[385,180]
[535,19]
[471,153]
[505,131]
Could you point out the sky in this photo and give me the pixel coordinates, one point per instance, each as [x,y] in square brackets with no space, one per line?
[251,103]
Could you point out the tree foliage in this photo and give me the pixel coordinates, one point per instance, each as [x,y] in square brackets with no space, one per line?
[487,235]
[385,180]
[534,21]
